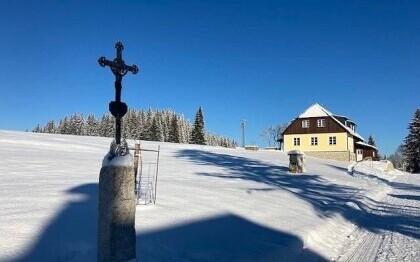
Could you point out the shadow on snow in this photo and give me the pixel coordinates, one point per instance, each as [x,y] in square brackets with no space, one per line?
[222,238]
[326,198]
[72,236]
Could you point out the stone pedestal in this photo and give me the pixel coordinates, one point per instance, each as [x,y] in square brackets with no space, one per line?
[116,218]
[296,161]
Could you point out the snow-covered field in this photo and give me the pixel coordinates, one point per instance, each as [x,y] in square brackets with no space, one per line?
[213,204]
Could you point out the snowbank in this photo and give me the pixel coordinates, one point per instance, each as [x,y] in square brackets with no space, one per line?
[374,170]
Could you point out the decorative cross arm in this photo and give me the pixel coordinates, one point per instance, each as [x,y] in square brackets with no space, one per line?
[118,66]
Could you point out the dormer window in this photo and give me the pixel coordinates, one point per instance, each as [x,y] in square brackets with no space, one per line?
[321,122]
[305,123]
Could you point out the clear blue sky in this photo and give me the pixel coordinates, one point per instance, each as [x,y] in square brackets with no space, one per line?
[263,61]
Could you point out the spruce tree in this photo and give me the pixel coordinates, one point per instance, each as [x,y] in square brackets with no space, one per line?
[411,147]
[371,141]
[50,127]
[197,134]
[174,130]
[155,130]
[37,129]
[92,126]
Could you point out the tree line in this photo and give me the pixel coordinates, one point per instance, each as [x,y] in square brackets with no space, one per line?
[150,125]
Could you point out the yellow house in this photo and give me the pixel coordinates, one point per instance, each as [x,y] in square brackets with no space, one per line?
[320,133]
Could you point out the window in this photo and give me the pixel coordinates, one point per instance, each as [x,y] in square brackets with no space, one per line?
[296,141]
[305,123]
[314,141]
[321,122]
[333,140]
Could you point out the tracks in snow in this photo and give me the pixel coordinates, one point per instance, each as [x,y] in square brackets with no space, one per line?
[391,230]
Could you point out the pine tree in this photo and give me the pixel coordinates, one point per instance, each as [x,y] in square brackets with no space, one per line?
[64,127]
[37,129]
[371,141]
[174,130]
[411,147]
[107,126]
[50,127]
[197,134]
[92,126]
[155,130]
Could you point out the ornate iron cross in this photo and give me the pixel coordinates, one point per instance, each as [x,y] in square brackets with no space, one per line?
[117,108]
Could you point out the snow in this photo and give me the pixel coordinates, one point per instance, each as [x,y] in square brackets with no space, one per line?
[365,144]
[316,110]
[126,160]
[213,204]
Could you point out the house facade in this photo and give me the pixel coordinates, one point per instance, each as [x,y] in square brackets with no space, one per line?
[319,133]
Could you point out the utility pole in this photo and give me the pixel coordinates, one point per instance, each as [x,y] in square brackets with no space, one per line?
[243,121]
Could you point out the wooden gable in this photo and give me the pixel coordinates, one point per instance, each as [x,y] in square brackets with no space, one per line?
[331,126]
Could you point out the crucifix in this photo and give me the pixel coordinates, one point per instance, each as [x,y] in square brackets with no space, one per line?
[118,67]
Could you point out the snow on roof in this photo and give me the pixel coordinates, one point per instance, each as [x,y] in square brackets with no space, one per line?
[316,110]
[365,144]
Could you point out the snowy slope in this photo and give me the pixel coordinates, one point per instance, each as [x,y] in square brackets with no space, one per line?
[213,204]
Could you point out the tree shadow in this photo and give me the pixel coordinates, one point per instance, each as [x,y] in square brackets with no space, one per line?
[325,197]
[72,236]
[223,238]
[409,197]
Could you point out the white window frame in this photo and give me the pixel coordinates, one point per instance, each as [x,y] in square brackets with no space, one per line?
[305,123]
[321,122]
[314,141]
[296,141]
[332,141]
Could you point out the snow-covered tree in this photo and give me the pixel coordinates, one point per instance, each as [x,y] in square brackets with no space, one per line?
[50,127]
[156,130]
[107,126]
[197,134]
[158,125]
[174,130]
[91,126]
[398,158]
[412,144]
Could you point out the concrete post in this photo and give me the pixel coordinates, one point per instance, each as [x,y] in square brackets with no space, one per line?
[296,161]
[117,207]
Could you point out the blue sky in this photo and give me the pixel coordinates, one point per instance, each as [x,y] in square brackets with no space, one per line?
[263,61]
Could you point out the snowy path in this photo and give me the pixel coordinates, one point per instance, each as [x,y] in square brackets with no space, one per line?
[395,227]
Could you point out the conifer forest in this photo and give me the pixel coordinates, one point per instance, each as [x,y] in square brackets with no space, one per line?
[150,125]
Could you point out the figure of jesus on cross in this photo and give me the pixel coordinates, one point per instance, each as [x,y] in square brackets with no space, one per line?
[117,108]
